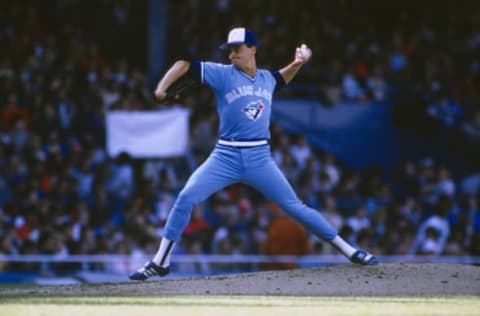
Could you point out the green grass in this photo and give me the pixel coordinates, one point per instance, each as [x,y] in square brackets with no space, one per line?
[236,305]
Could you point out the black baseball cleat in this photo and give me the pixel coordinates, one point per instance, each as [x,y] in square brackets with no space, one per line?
[148,270]
[364,258]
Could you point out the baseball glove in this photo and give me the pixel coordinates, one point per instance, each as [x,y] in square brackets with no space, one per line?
[179,89]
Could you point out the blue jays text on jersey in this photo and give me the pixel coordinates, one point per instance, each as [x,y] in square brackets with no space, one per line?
[247,90]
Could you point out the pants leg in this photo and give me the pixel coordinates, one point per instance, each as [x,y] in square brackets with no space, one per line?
[265,176]
[219,170]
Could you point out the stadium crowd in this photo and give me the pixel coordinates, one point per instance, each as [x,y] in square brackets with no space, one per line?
[61,194]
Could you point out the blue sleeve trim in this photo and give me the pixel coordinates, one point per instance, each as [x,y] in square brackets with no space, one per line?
[279,79]
[195,70]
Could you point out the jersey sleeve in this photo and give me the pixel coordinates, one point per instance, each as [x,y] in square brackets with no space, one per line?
[212,74]
[194,71]
[280,82]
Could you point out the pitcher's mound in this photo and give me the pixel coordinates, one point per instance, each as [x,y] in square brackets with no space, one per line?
[341,280]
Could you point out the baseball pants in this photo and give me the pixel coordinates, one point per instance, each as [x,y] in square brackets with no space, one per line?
[253,166]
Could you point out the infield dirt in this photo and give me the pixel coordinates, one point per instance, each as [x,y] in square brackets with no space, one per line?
[412,279]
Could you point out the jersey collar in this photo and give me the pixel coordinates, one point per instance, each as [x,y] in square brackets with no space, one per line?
[252,79]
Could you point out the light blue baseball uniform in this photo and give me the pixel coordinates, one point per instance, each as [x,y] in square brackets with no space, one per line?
[244,106]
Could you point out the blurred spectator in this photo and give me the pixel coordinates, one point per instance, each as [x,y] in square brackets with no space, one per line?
[330,212]
[471,184]
[435,240]
[121,181]
[444,183]
[352,89]
[358,221]
[430,244]
[471,129]
[300,151]
[446,111]
[331,169]
[377,84]
[12,112]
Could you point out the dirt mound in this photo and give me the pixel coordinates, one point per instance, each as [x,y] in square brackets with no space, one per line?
[342,280]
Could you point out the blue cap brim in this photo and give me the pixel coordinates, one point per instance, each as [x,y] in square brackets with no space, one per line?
[226,45]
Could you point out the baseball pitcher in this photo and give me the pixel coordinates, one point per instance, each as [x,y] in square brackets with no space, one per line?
[243,95]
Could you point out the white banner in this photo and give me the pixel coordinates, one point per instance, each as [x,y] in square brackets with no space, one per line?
[148,134]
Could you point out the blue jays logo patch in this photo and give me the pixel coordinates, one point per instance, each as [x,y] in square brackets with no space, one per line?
[254,110]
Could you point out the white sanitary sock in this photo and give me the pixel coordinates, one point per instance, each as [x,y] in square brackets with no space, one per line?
[162,258]
[343,246]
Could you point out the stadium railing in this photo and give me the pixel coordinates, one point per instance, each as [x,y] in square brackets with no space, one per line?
[77,269]
[84,260]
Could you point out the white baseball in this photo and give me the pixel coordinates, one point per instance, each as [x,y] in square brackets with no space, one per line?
[304,52]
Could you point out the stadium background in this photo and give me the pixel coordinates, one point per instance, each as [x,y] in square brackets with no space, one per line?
[65,64]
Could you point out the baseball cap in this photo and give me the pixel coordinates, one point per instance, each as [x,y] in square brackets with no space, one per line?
[240,35]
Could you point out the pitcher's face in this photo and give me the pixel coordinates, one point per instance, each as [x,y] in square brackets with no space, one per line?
[241,55]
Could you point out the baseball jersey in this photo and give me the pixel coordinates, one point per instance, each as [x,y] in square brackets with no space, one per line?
[244,103]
